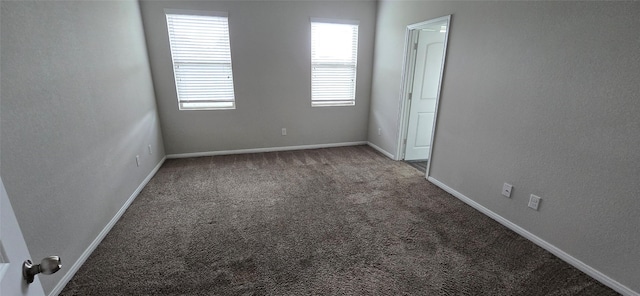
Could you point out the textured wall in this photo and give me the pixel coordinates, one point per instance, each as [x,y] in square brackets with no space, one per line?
[270,48]
[542,95]
[77,107]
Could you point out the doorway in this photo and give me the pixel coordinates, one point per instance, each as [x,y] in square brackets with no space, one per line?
[425,50]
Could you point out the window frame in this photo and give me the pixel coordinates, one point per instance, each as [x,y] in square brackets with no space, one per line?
[352,65]
[204,105]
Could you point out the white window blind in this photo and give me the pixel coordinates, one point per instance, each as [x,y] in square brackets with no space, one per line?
[201,57]
[334,55]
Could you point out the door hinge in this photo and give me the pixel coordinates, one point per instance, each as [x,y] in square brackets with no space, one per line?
[405,141]
[415,46]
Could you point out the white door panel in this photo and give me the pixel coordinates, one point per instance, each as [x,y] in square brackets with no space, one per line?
[431,67]
[425,122]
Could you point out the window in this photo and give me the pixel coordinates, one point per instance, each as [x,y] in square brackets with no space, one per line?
[201,57]
[334,51]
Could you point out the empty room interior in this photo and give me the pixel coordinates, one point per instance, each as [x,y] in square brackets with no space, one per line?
[296,178]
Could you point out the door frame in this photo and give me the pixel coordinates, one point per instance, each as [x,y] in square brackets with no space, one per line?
[408,67]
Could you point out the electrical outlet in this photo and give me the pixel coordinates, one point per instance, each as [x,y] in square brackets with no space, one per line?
[284,131]
[150,152]
[138,160]
[379,131]
[506,189]
[534,202]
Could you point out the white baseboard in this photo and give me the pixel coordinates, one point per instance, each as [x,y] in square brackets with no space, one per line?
[260,150]
[83,257]
[599,276]
[387,154]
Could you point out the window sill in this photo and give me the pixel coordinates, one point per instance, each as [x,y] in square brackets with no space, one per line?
[333,104]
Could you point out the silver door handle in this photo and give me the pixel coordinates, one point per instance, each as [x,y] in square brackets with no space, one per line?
[48,265]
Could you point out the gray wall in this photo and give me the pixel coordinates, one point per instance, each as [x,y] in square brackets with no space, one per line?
[77,107]
[543,95]
[270,47]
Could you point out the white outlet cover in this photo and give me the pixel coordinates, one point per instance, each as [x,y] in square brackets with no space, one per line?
[507,189]
[534,202]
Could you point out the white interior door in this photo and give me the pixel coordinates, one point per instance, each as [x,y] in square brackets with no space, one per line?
[426,81]
[13,251]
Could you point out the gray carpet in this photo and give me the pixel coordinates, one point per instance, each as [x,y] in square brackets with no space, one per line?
[339,221]
[421,165]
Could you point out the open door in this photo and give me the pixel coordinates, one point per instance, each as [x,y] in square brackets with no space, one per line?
[13,252]
[426,79]
[423,65]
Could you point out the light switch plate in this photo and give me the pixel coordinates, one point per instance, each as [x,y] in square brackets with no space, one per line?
[506,189]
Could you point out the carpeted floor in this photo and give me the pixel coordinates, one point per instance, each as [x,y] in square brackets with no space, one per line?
[339,221]
[421,165]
